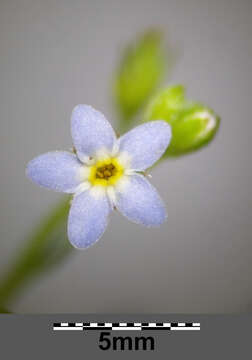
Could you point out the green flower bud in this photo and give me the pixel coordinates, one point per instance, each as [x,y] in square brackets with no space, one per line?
[193,128]
[139,73]
[193,124]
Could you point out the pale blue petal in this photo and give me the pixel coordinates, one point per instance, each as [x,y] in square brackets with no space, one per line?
[88,219]
[57,170]
[146,143]
[90,131]
[140,202]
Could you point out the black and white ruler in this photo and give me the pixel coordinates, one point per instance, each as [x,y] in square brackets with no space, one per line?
[138,326]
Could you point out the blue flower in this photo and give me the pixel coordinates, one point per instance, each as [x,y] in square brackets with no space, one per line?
[105,173]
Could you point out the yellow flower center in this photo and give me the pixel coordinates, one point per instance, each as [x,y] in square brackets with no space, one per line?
[106,172]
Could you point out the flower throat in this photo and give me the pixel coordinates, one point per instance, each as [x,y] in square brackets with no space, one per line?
[106,171]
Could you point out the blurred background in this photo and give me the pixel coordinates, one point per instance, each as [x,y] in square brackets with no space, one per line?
[55,54]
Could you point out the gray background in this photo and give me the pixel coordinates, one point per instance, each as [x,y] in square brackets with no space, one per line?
[56,54]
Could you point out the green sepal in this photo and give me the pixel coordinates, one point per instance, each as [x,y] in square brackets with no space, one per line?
[166,104]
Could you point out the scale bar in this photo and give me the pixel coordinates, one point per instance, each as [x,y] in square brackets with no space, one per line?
[81,326]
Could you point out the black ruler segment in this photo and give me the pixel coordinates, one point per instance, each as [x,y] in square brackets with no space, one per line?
[121,326]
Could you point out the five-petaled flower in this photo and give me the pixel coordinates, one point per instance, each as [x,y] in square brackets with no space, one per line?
[104,173]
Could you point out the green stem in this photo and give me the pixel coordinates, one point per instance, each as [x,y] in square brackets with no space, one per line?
[45,247]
